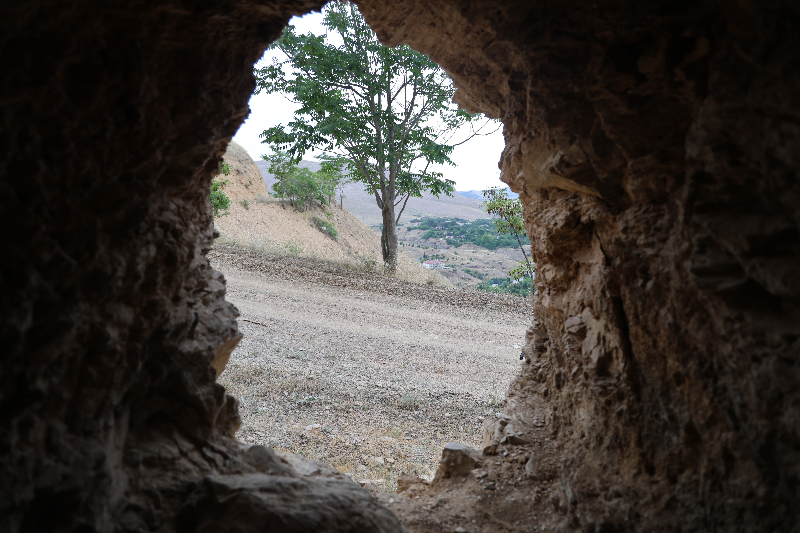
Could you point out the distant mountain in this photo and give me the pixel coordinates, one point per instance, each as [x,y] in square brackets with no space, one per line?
[363,205]
[478,195]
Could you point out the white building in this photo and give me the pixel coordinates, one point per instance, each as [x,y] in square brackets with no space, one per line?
[435,264]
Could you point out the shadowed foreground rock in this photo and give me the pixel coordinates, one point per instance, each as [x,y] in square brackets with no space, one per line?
[655,146]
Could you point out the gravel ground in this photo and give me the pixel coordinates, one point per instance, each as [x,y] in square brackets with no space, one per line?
[367,373]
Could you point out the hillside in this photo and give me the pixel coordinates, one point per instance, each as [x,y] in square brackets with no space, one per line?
[364,207]
[259,222]
[478,194]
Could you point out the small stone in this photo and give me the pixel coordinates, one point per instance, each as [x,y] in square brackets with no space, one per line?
[265,460]
[478,473]
[511,437]
[379,460]
[460,529]
[457,460]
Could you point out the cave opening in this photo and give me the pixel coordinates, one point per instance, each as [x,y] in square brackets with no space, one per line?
[375,389]
[654,145]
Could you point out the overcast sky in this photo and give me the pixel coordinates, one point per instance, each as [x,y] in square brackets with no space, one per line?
[476,160]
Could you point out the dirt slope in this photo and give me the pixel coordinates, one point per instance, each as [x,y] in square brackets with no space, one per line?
[259,222]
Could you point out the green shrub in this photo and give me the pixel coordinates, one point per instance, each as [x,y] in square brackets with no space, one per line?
[224,168]
[245,204]
[219,200]
[506,286]
[475,274]
[409,401]
[326,227]
[301,186]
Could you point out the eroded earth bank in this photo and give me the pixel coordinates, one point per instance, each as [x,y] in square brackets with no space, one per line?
[655,146]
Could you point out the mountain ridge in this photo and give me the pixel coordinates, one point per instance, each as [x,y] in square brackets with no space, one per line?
[477,194]
[363,205]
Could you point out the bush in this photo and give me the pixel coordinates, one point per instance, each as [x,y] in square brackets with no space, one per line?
[219,200]
[507,286]
[474,274]
[326,227]
[301,186]
[245,204]
[409,401]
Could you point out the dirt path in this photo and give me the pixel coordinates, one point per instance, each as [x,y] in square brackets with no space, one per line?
[368,374]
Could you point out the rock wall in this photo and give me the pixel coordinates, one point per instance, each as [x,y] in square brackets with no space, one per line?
[113,122]
[655,146]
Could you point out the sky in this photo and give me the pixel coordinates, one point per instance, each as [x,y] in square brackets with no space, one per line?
[476,160]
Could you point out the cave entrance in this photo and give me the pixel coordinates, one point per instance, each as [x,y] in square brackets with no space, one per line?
[371,374]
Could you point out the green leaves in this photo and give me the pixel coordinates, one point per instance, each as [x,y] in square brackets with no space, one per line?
[389,108]
[508,211]
[509,221]
[300,185]
[220,203]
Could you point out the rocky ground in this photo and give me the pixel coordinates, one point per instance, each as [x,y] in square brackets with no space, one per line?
[368,373]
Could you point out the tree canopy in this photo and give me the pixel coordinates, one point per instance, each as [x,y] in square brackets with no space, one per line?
[385,113]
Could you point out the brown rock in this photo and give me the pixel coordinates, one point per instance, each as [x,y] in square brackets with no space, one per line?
[222,354]
[457,460]
[266,461]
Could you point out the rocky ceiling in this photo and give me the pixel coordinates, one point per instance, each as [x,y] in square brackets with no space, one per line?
[656,146]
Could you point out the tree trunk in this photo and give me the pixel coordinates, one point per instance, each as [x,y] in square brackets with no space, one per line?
[389,238]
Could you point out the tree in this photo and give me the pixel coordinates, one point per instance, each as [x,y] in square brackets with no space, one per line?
[331,175]
[384,113]
[281,166]
[509,221]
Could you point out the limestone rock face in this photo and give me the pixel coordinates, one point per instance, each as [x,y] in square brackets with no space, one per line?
[656,149]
